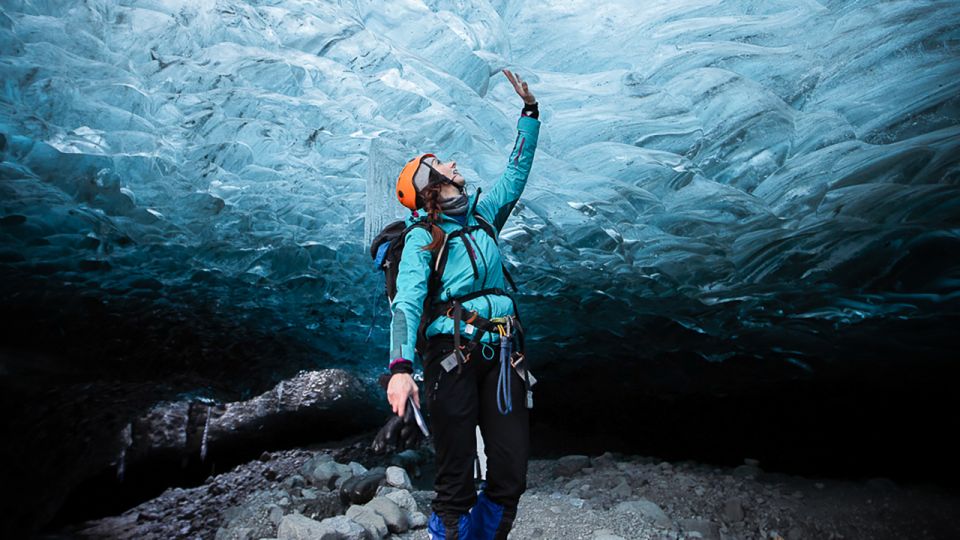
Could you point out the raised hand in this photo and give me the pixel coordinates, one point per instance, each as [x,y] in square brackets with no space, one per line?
[521,87]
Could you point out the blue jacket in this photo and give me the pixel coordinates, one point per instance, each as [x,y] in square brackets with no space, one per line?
[457,279]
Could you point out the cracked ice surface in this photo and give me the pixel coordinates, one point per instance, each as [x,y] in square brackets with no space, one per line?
[720,178]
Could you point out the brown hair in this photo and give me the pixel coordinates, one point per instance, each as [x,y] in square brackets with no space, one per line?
[431,203]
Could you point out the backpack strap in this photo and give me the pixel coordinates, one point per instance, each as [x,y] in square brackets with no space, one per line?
[487,226]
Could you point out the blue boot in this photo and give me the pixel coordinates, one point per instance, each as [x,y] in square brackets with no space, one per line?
[461,530]
[490,521]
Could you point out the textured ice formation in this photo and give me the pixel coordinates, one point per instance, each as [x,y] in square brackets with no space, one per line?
[753,174]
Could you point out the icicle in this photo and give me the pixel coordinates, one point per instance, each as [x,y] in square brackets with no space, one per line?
[206,431]
[126,438]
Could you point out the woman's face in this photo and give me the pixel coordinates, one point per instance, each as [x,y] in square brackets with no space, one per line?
[449,169]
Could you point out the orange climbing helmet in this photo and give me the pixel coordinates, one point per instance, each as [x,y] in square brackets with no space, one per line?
[416,175]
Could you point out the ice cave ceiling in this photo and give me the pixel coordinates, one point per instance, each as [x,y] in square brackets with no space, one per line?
[764,179]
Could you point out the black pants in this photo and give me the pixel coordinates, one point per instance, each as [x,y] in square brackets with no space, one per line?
[457,404]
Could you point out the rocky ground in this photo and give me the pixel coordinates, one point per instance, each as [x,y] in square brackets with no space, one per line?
[295,494]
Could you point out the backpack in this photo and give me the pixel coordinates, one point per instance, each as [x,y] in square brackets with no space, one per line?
[386,249]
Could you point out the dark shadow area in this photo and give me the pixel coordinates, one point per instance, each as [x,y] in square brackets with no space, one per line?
[105,494]
[886,415]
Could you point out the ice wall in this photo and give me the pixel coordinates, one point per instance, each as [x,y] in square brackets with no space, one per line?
[716,178]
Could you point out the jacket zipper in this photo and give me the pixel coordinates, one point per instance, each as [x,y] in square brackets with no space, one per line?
[483,284]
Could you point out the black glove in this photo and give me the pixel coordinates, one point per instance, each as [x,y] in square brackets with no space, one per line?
[398,433]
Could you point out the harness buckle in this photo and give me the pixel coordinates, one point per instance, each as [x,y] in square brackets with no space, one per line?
[516,358]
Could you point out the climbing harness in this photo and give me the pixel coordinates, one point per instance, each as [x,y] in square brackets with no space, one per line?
[510,333]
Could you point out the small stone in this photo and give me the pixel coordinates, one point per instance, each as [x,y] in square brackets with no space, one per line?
[570,465]
[391,512]
[397,477]
[404,499]
[699,491]
[360,489]
[300,527]
[418,520]
[733,510]
[383,491]
[747,471]
[265,457]
[751,462]
[357,468]
[293,481]
[274,514]
[622,491]
[327,473]
[604,460]
[311,463]
[369,520]
[604,534]
[234,533]
[344,528]
[706,529]
[646,509]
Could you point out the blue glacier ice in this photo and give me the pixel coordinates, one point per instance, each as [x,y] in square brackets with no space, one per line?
[728,193]
[730,168]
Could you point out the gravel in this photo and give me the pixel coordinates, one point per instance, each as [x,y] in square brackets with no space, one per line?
[604,497]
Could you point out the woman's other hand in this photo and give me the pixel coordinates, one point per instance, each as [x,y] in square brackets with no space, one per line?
[400,387]
[521,87]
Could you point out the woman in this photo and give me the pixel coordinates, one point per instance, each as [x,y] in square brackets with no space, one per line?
[477,385]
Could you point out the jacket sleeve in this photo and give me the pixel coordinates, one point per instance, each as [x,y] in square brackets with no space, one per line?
[498,204]
[407,305]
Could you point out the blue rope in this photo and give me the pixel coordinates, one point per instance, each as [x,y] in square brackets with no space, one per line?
[504,397]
